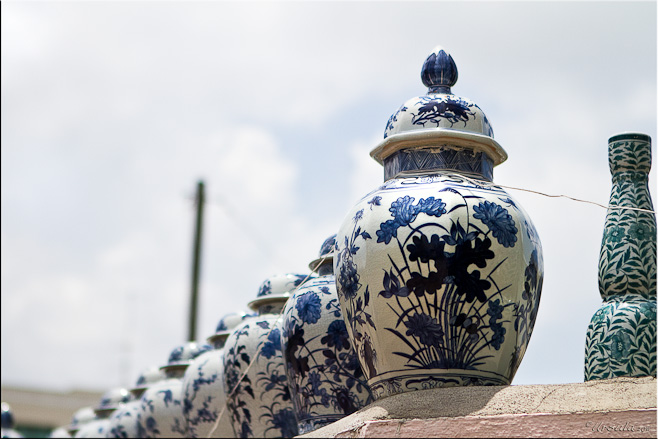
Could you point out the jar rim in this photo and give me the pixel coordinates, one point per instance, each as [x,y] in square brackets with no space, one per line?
[435,136]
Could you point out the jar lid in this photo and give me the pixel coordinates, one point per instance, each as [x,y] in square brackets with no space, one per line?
[277,288]
[111,400]
[227,324]
[326,254]
[182,355]
[7,416]
[81,417]
[146,378]
[439,117]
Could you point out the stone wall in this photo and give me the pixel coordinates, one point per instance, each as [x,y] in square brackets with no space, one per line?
[620,407]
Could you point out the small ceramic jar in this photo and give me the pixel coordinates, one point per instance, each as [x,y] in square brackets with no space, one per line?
[111,401]
[80,418]
[161,406]
[123,422]
[258,399]
[7,418]
[324,376]
[203,385]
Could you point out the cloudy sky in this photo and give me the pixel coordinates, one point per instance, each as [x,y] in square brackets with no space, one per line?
[111,112]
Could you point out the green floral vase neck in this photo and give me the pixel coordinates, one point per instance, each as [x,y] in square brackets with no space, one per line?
[621,337]
[627,263]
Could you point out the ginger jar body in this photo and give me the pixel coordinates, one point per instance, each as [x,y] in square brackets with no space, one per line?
[438,271]
[203,385]
[161,406]
[123,421]
[258,399]
[111,401]
[324,376]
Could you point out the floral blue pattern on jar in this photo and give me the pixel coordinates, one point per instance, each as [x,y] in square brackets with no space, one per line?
[161,406]
[258,399]
[203,385]
[438,271]
[324,375]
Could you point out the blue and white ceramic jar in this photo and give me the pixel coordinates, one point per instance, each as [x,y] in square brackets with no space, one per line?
[80,418]
[203,385]
[123,422]
[111,401]
[324,376]
[7,418]
[161,406]
[258,399]
[439,271]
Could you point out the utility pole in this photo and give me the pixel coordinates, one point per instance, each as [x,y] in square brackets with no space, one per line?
[194,296]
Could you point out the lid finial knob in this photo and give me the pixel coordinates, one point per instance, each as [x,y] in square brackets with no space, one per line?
[439,71]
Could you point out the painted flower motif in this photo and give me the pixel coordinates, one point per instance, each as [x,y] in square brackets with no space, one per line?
[375,201]
[392,286]
[495,310]
[500,222]
[620,346]
[315,380]
[650,311]
[404,212]
[352,363]
[285,422]
[337,335]
[435,110]
[176,355]
[393,118]
[431,206]
[458,236]
[272,344]
[498,336]
[615,234]
[421,285]
[471,286]
[348,279]
[425,328]
[387,231]
[423,249]
[265,289]
[309,307]
[638,231]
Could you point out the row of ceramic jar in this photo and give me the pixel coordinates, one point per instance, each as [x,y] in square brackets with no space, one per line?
[287,369]
[439,275]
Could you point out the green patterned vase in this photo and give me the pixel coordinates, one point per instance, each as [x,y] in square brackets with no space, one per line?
[621,337]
